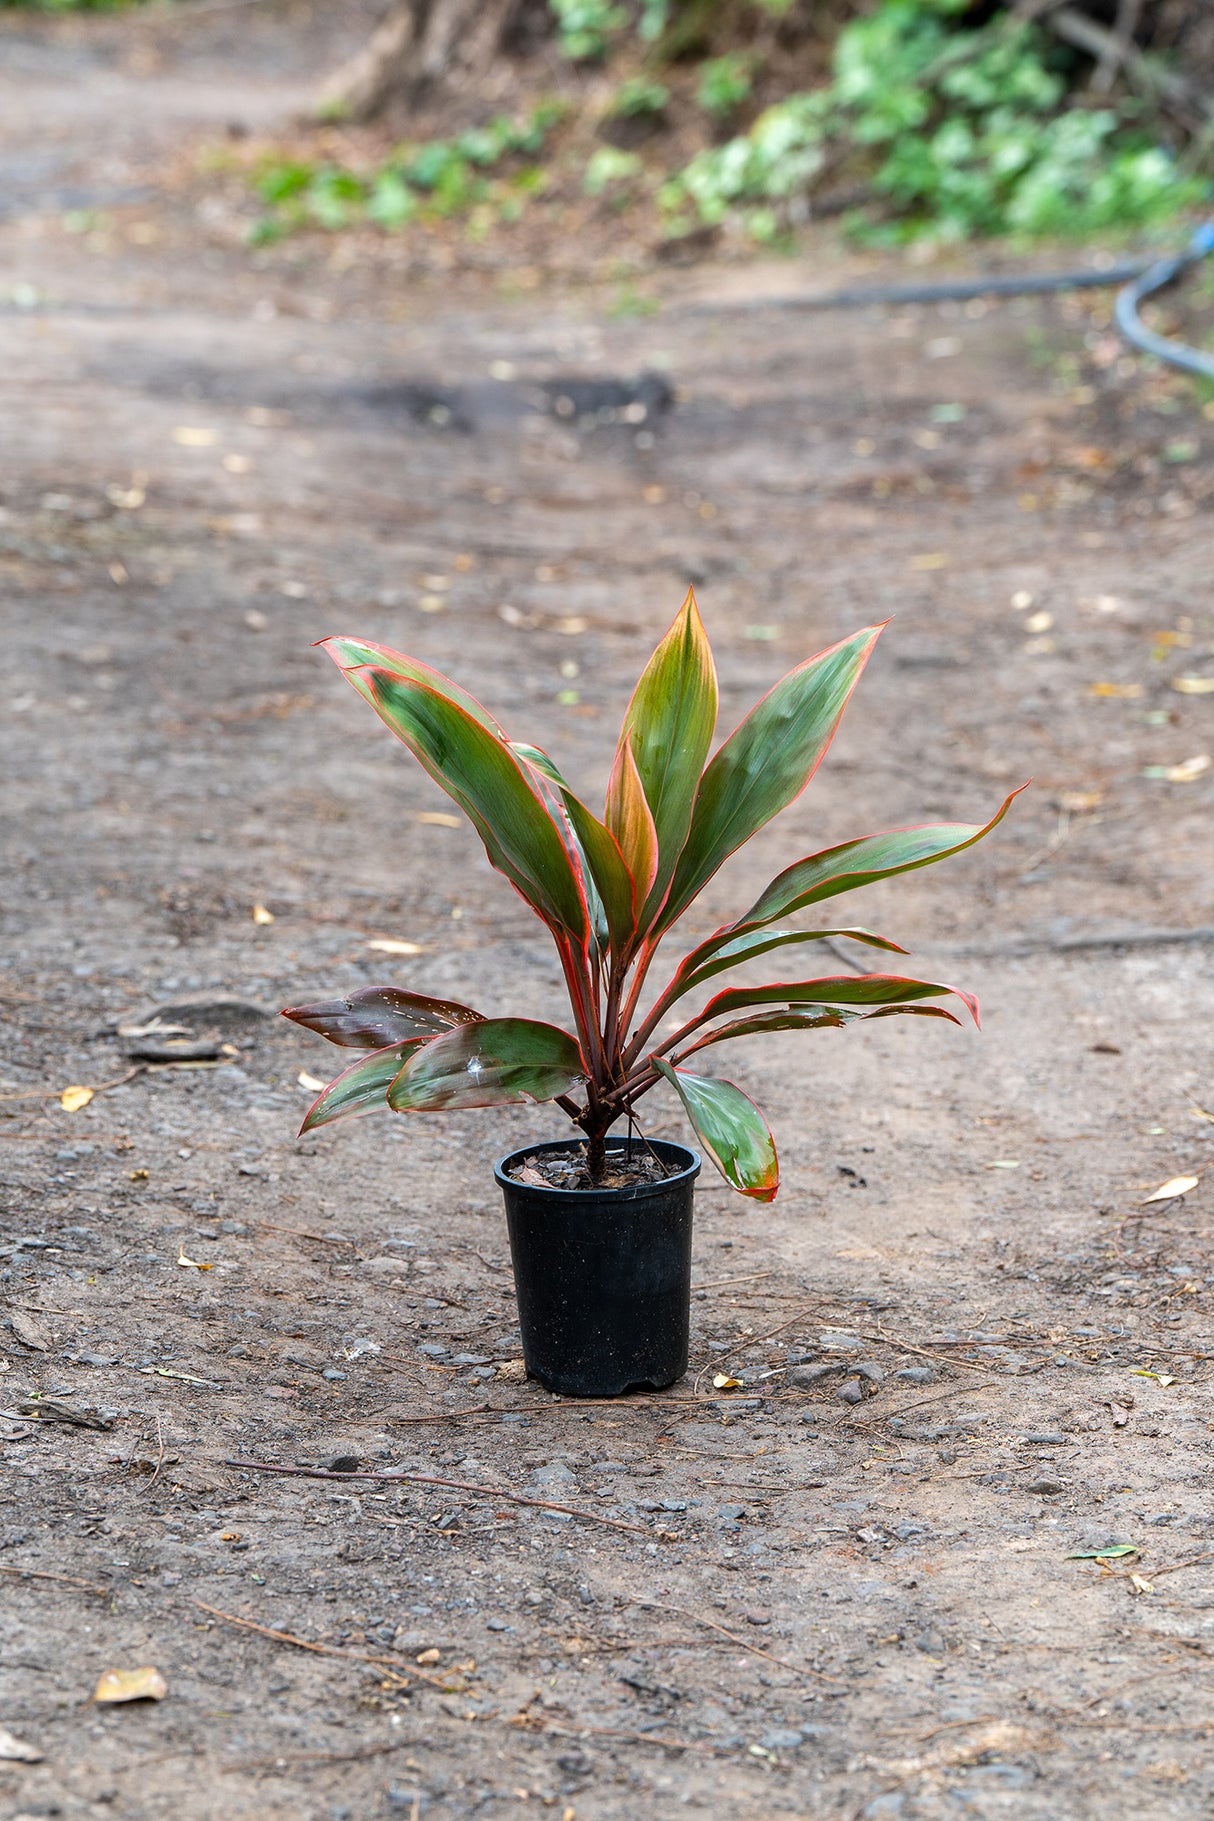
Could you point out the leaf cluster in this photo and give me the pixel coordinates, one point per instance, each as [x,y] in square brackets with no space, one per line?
[610,886]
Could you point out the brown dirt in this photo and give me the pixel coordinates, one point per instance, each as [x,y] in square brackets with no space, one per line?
[813,1608]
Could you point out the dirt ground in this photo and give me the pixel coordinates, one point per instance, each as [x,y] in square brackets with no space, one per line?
[757,1603]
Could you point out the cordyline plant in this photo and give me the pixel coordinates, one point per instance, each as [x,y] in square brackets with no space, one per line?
[609,888]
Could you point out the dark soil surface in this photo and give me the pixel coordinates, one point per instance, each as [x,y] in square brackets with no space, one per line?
[777,1590]
[625,1170]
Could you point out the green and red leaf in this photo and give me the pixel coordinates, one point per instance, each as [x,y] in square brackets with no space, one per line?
[766,762]
[363,1086]
[354,657]
[379,1015]
[476,767]
[668,726]
[833,1018]
[601,859]
[855,863]
[731,1129]
[724,951]
[497,1062]
[630,821]
[839,989]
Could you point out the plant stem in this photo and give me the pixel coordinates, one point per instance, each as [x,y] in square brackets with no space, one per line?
[596,1157]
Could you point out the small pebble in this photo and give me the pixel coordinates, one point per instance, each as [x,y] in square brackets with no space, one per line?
[781,1740]
[1045,1435]
[916,1375]
[1045,1487]
[758,1615]
[852,1392]
[332,1374]
[805,1376]
[873,1374]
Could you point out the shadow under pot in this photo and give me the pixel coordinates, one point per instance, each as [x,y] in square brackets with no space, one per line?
[603,1275]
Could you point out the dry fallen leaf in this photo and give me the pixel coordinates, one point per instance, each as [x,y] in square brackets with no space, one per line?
[1123,692]
[191,1264]
[193,436]
[16,1751]
[72,1099]
[386,945]
[722,1382]
[438,818]
[1176,1185]
[1039,622]
[427,1657]
[130,1685]
[1004,1163]
[512,1371]
[1189,769]
[262,915]
[310,1082]
[1140,1584]
[1193,686]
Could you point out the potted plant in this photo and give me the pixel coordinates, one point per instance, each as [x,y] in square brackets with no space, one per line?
[600,1228]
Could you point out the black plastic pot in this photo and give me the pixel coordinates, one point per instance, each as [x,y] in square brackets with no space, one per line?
[603,1275]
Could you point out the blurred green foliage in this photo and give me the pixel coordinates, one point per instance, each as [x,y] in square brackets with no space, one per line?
[462,176]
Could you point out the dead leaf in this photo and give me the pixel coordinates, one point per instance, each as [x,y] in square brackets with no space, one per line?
[1140,1584]
[1193,686]
[723,1382]
[195,436]
[16,1751]
[427,1657]
[1168,1191]
[387,945]
[191,1264]
[1120,692]
[1004,1163]
[72,1099]
[1189,769]
[262,915]
[1079,802]
[31,1332]
[1161,1378]
[130,1685]
[1039,622]
[310,1082]
[438,818]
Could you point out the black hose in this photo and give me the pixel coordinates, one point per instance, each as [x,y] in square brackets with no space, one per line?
[1156,277]
[1139,279]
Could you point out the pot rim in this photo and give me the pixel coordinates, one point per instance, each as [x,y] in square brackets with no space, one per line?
[634,1192]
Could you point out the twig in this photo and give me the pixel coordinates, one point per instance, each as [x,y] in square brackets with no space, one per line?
[886,1416]
[331,1650]
[745,1644]
[288,1761]
[901,1346]
[756,1340]
[160,1451]
[326,1239]
[54,1093]
[44,1574]
[716,1283]
[488,1493]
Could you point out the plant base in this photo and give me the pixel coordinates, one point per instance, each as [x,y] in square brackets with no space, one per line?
[603,1276]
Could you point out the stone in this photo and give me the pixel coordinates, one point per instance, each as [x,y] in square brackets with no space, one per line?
[803,1377]
[916,1375]
[852,1392]
[781,1739]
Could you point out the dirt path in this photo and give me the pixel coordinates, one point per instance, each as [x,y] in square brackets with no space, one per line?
[208,461]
